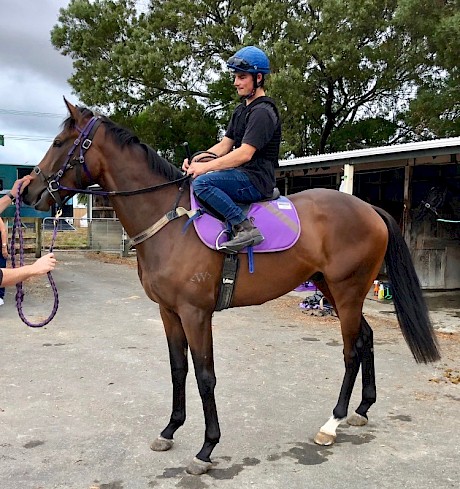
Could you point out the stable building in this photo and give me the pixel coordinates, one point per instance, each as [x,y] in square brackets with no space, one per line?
[412,182]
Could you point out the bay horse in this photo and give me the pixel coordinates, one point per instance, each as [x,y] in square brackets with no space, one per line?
[341,248]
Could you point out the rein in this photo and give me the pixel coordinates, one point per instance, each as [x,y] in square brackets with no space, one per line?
[125,193]
[84,141]
[17,228]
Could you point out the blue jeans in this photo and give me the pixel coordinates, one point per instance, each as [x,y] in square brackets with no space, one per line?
[221,189]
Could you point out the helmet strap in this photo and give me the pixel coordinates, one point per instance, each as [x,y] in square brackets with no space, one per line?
[255,86]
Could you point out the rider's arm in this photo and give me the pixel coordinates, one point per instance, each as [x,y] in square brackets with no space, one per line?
[223,147]
[235,158]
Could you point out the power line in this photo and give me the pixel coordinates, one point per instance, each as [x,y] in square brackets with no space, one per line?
[31,113]
[19,137]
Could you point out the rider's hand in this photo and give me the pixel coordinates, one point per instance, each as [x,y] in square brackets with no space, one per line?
[197,169]
[185,164]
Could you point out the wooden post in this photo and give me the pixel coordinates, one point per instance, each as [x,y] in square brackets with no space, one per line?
[338,180]
[408,170]
[348,172]
[125,241]
[38,237]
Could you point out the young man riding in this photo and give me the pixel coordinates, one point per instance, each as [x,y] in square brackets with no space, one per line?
[244,170]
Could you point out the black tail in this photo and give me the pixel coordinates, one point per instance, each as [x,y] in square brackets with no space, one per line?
[409,303]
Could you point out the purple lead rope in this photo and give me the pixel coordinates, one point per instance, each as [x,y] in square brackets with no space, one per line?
[19,290]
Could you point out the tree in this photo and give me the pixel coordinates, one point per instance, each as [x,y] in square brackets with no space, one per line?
[342,61]
[335,63]
[166,128]
[435,25]
[142,68]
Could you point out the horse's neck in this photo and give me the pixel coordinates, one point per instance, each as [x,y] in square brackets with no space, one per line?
[138,212]
[129,170]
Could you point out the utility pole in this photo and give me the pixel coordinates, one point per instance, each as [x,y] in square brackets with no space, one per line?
[2,140]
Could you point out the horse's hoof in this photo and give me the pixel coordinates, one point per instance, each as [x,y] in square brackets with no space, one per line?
[324,439]
[161,444]
[356,419]
[198,467]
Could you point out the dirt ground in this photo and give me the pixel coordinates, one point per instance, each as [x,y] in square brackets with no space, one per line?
[82,399]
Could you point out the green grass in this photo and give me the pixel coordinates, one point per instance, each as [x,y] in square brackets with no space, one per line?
[77,239]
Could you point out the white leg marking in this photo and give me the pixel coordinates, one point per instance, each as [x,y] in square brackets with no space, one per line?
[331,426]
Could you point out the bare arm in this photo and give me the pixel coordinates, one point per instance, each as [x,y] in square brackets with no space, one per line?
[3,239]
[221,148]
[6,200]
[12,276]
[235,158]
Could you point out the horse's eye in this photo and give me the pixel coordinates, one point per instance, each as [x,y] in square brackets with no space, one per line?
[57,143]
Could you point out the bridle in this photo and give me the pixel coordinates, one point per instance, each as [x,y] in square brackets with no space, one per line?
[84,142]
[72,160]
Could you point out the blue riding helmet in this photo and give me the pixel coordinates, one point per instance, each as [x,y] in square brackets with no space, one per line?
[250,60]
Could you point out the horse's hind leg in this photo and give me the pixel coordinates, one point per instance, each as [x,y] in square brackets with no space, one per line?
[365,347]
[349,310]
[178,348]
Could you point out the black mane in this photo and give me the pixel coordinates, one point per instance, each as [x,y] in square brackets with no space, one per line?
[124,137]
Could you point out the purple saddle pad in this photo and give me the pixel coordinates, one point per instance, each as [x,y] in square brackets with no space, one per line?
[277,220]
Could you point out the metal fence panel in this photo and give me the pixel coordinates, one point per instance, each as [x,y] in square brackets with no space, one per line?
[103,234]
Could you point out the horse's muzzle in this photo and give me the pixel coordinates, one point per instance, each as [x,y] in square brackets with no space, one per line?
[39,198]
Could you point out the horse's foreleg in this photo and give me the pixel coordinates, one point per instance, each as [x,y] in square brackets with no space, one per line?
[365,343]
[349,315]
[201,347]
[178,349]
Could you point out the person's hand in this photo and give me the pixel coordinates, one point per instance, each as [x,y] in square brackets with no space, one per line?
[197,169]
[24,181]
[5,251]
[44,264]
[185,164]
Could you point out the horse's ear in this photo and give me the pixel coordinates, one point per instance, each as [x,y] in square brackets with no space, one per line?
[72,109]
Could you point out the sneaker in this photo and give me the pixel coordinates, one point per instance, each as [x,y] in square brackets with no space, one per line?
[1,301]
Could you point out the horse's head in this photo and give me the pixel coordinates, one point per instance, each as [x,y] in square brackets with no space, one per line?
[67,164]
[430,205]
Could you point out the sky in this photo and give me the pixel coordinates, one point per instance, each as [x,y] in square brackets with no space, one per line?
[33,79]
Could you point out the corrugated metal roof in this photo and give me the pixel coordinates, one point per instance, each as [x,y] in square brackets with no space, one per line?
[3,163]
[380,153]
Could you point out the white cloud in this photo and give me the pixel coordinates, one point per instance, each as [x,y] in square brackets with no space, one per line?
[33,77]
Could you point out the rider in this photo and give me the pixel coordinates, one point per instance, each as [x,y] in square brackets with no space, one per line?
[244,170]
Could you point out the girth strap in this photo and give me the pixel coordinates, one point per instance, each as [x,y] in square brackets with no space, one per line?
[161,223]
[228,281]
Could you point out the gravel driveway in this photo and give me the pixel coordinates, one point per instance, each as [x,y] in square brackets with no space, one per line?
[82,399]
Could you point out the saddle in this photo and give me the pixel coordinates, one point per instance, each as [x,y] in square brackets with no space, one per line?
[275,217]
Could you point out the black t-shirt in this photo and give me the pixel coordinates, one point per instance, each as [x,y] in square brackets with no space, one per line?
[1,276]
[258,124]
